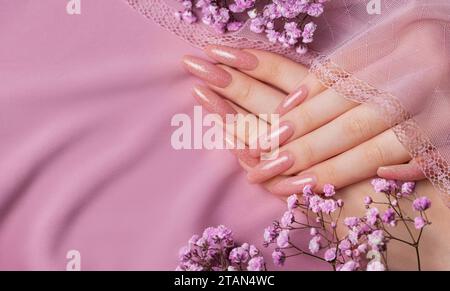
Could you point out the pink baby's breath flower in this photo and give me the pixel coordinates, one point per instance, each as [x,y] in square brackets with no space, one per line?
[388,216]
[328,190]
[292,201]
[313,231]
[407,188]
[367,200]
[419,222]
[421,204]
[328,206]
[283,239]
[314,245]
[239,255]
[330,255]
[375,239]
[372,215]
[351,221]
[383,185]
[287,219]
[278,257]
[375,266]
[256,264]
[270,234]
[349,266]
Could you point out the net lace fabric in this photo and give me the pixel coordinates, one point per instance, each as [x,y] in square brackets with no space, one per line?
[399,61]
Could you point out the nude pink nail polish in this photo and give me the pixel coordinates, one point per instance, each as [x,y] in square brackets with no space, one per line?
[277,137]
[292,100]
[206,71]
[232,57]
[270,168]
[294,184]
[212,102]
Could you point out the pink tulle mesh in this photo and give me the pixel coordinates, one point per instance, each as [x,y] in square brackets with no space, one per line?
[398,60]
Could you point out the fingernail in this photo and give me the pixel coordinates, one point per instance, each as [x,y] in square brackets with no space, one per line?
[292,100]
[277,137]
[240,151]
[232,57]
[270,168]
[212,102]
[405,172]
[206,71]
[293,185]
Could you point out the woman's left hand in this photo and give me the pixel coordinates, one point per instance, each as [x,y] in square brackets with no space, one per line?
[324,137]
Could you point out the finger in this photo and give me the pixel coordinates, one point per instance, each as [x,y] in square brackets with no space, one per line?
[248,93]
[306,118]
[352,166]
[339,135]
[404,172]
[235,120]
[270,68]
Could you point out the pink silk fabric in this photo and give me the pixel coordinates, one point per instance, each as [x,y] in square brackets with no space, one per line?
[86,160]
[397,61]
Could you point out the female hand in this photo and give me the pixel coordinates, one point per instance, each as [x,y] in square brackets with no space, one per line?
[324,137]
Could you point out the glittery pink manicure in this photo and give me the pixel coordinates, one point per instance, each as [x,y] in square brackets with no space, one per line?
[206,71]
[292,100]
[276,138]
[271,168]
[212,102]
[232,57]
[293,185]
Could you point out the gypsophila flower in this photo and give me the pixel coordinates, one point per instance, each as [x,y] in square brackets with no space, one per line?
[351,221]
[328,206]
[389,217]
[226,16]
[292,201]
[287,219]
[372,215]
[367,200]
[270,234]
[314,245]
[328,190]
[216,250]
[407,188]
[419,222]
[349,266]
[383,185]
[283,239]
[256,264]
[421,203]
[278,257]
[375,266]
[313,231]
[330,255]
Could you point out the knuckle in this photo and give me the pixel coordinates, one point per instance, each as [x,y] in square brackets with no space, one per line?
[374,153]
[306,121]
[357,126]
[306,154]
[330,173]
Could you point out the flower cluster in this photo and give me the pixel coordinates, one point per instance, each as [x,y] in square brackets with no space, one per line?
[287,22]
[363,245]
[216,250]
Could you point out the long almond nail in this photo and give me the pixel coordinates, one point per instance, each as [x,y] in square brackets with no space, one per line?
[212,102]
[293,185]
[207,71]
[292,100]
[277,137]
[232,57]
[406,172]
[271,168]
[240,151]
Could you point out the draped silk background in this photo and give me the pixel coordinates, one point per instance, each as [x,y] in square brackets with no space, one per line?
[85,106]
[398,60]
